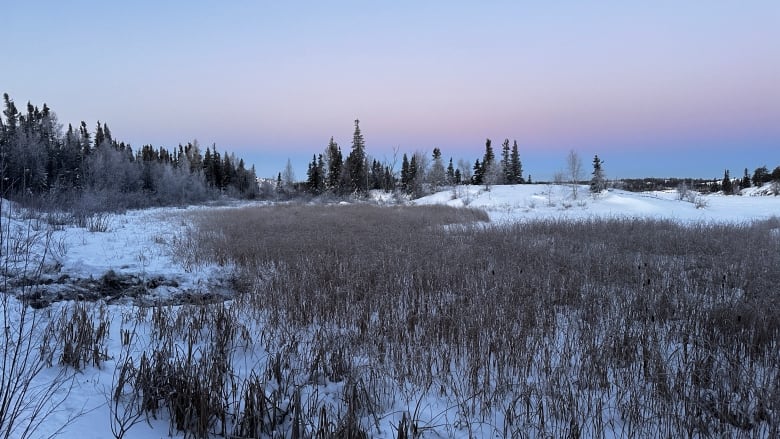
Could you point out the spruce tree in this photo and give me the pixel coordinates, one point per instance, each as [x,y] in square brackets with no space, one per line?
[321,173]
[208,167]
[411,175]
[405,172]
[478,175]
[726,185]
[490,173]
[506,168]
[377,175]
[597,182]
[99,136]
[312,176]
[745,180]
[335,164]
[450,173]
[489,158]
[437,175]
[515,165]
[84,138]
[356,162]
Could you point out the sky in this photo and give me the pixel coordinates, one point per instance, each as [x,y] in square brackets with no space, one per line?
[664,88]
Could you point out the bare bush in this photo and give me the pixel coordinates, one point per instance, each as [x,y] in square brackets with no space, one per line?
[28,399]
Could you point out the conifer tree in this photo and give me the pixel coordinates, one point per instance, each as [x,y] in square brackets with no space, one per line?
[99,136]
[489,158]
[761,176]
[377,175]
[437,176]
[506,168]
[745,180]
[726,185]
[477,177]
[775,181]
[208,168]
[516,166]
[107,135]
[356,167]
[490,171]
[313,177]
[216,167]
[321,172]
[228,171]
[597,182]
[84,136]
[405,173]
[335,164]
[450,173]
[411,175]
[775,175]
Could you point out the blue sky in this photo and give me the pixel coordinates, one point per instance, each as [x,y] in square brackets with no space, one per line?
[665,88]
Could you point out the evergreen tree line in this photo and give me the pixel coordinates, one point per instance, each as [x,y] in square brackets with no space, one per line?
[357,174]
[330,172]
[761,176]
[78,168]
[728,184]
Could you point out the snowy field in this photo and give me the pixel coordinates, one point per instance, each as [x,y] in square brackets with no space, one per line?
[530,202]
[137,247]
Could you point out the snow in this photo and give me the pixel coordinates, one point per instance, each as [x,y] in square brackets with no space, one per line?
[529,202]
[137,243]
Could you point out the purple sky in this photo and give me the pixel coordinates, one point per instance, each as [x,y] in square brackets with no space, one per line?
[665,88]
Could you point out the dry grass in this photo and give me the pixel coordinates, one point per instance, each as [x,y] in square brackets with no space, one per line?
[552,328]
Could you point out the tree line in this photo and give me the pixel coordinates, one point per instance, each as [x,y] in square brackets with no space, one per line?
[760,177]
[419,174]
[77,167]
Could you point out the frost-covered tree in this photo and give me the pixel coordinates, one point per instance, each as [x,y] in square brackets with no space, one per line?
[288,176]
[437,176]
[37,159]
[463,172]
[450,173]
[597,181]
[574,171]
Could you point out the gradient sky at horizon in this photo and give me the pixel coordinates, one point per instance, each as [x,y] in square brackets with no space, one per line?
[667,88]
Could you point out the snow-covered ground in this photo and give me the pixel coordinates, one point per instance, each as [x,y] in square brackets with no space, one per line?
[138,243]
[529,202]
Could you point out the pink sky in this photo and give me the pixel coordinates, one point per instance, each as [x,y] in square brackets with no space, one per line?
[276,81]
